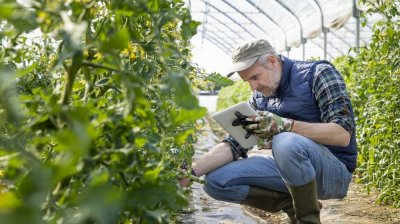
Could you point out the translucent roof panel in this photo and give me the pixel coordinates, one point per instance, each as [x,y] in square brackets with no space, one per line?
[304,29]
[285,19]
[336,12]
[308,14]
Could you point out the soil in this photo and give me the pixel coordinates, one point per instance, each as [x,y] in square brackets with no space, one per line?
[357,208]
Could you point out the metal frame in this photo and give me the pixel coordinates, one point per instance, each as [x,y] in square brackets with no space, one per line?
[225,37]
[242,32]
[224,24]
[332,46]
[318,45]
[237,23]
[356,15]
[215,42]
[272,20]
[302,40]
[230,18]
[226,46]
[250,19]
[355,35]
[324,30]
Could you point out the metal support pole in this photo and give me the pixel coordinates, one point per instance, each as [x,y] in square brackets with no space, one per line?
[356,15]
[284,6]
[325,30]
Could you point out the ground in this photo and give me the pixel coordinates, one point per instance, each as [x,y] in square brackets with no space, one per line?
[357,208]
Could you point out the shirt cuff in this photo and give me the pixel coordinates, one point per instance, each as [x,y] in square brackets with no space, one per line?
[237,150]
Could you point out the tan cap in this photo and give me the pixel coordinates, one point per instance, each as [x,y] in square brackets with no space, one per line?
[246,55]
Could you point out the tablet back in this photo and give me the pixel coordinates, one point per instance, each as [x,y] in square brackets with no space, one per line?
[227,116]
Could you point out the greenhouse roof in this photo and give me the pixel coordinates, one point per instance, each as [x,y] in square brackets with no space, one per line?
[308,28]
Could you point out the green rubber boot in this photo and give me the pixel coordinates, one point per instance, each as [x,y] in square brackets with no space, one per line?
[270,201]
[305,202]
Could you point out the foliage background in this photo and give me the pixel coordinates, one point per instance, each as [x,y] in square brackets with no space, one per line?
[374,85]
[231,95]
[97,113]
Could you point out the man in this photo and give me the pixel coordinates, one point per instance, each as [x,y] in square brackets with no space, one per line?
[305,110]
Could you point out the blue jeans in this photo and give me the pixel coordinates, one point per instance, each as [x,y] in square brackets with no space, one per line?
[296,160]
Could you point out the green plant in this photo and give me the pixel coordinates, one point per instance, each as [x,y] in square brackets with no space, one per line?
[218,81]
[231,95]
[374,83]
[96,110]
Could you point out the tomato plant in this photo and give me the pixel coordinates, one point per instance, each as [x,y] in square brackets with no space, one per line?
[97,110]
[374,84]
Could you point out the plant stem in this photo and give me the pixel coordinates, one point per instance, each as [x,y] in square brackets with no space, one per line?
[71,72]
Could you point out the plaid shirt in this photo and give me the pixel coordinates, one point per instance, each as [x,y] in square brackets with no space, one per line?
[330,93]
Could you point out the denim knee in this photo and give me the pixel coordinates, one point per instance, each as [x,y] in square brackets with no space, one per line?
[284,145]
[212,186]
[291,154]
[219,188]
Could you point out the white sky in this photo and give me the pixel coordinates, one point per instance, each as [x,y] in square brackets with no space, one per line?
[212,59]
[208,56]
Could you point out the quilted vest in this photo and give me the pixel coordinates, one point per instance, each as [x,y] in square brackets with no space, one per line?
[294,99]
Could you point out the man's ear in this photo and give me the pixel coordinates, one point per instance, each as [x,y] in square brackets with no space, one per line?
[272,59]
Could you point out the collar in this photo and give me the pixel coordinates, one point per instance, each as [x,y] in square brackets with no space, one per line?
[286,70]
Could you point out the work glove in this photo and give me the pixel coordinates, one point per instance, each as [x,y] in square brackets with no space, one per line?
[264,126]
[242,120]
[262,143]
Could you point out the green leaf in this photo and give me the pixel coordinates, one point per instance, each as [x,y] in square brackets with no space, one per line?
[153,5]
[101,203]
[118,41]
[99,177]
[183,95]
[151,175]
[181,138]
[140,141]
[22,72]
[8,200]
[23,19]
[7,10]
[183,115]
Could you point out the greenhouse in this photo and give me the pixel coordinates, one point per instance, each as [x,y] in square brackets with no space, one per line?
[124,111]
[301,29]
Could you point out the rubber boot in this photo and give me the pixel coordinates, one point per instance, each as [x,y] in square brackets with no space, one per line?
[270,201]
[305,202]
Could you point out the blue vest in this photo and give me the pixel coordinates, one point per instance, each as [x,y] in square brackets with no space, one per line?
[294,99]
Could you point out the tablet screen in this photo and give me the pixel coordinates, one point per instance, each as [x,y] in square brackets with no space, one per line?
[227,116]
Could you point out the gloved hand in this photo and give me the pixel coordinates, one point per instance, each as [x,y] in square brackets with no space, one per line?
[264,143]
[264,126]
[241,120]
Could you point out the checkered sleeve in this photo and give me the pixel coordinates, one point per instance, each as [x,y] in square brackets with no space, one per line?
[332,98]
[252,101]
[237,150]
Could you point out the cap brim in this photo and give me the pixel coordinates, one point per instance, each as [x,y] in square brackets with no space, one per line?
[241,65]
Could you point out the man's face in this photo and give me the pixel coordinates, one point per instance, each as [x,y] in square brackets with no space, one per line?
[263,77]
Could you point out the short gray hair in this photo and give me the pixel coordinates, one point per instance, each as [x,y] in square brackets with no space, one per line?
[262,59]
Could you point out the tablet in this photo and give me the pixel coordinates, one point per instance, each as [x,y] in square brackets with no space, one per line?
[226,117]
